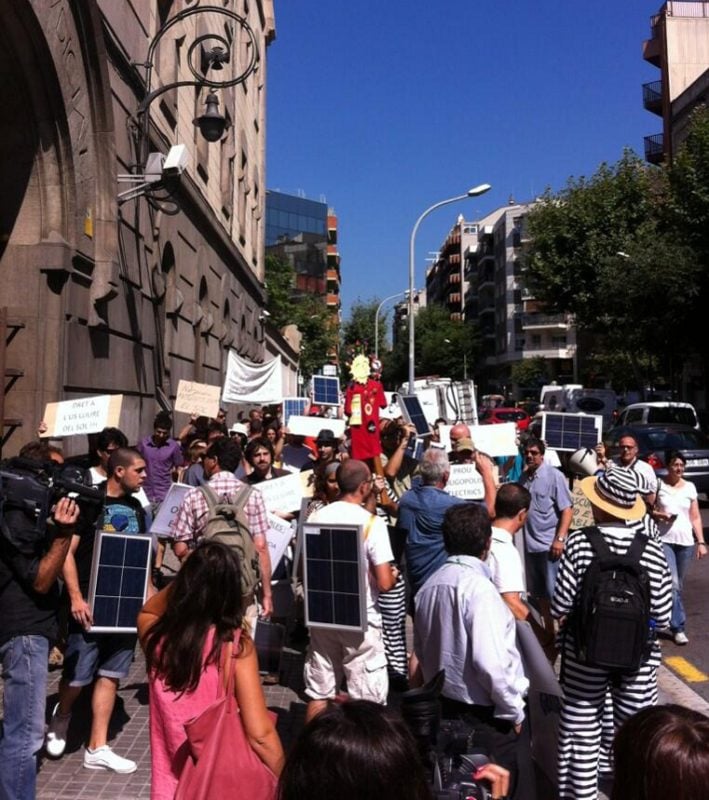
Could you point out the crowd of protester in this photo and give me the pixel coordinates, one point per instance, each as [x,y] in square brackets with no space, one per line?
[466,572]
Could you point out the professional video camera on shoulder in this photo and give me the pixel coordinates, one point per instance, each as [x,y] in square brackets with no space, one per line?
[30,489]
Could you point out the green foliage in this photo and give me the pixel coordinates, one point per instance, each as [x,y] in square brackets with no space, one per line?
[530,372]
[358,330]
[309,312]
[607,250]
[280,283]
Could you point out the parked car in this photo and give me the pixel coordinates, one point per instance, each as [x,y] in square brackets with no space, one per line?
[664,413]
[496,416]
[655,442]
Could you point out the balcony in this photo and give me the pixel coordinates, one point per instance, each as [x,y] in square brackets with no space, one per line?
[454,278]
[654,148]
[333,276]
[540,321]
[652,97]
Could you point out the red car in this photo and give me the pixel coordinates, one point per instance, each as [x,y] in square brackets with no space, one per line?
[496,416]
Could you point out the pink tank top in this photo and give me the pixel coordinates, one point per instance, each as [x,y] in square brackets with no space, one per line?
[168,713]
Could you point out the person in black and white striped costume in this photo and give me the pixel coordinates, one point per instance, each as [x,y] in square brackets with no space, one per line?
[614,499]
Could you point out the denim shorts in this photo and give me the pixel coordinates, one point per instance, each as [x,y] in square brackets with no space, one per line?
[87,655]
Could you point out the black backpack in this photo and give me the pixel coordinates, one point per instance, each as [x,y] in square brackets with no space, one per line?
[611,619]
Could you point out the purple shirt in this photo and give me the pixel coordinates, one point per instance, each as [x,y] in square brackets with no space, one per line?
[159,462]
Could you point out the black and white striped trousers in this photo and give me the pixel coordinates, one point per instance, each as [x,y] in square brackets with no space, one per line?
[585,691]
[392,605]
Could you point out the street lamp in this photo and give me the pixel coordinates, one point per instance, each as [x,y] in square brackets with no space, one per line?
[474,192]
[376,319]
[151,170]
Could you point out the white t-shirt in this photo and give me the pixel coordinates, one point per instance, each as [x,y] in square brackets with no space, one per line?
[676,500]
[504,563]
[377,547]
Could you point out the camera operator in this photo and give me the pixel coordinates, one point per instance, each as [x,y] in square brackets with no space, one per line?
[29,601]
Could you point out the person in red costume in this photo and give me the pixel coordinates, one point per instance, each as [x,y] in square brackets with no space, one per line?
[363,399]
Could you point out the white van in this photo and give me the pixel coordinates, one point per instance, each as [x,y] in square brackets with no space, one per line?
[659,412]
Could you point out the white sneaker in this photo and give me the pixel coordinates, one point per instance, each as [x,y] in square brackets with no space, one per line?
[681,638]
[55,743]
[105,758]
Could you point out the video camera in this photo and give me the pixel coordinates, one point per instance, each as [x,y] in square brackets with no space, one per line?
[29,490]
[444,746]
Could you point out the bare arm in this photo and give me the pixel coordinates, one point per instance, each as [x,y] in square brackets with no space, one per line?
[151,612]
[259,727]
[696,520]
[562,531]
[396,459]
[484,466]
[50,565]
[264,560]
[513,601]
[80,609]
[385,576]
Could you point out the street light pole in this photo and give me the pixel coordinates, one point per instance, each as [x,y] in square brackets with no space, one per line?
[474,192]
[376,320]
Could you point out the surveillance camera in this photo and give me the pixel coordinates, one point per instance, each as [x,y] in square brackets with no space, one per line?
[265,313]
[175,161]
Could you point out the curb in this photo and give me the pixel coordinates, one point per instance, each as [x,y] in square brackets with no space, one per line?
[674,690]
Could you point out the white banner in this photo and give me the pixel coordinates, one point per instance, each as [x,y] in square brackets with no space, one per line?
[282,494]
[164,521]
[465,482]
[247,382]
[278,537]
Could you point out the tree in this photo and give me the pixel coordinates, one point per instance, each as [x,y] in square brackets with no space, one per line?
[530,372]
[358,329]
[309,312]
[601,249]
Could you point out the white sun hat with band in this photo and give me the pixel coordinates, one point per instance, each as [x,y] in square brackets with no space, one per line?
[616,491]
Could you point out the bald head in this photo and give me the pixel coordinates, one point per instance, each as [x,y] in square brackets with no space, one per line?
[351,475]
[459,431]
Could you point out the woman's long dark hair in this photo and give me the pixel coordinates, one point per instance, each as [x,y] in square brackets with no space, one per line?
[206,593]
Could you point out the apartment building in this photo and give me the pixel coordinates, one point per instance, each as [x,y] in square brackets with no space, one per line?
[679,47]
[446,283]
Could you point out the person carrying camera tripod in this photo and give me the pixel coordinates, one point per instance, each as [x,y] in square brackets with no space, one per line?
[29,601]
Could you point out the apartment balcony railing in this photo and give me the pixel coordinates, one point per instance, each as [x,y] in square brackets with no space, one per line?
[544,321]
[655,148]
[652,97]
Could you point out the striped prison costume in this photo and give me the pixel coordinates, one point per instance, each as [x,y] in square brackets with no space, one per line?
[392,605]
[585,687]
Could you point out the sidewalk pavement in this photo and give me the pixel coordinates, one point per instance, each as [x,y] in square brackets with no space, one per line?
[67,779]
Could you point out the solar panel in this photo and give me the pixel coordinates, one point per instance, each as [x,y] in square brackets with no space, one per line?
[119,580]
[333,558]
[412,412]
[326,390]
[571,431]
[294,407]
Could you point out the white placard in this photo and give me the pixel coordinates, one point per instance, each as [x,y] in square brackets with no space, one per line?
[465,482]
[392,410]
[495,440]
[282,494]
[444,434]
[164,522]
[311,426]
[278,537]
[82,415]
[201,399]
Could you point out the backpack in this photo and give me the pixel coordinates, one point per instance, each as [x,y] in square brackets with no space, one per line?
[227,523]
[611,618]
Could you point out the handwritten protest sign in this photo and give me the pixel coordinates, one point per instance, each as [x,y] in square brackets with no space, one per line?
[198,398]
[465,482]
[164,522]
[278,537]
[83,415]
[282,494]
[311,426]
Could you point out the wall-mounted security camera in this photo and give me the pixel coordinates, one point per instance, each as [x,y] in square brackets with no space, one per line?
[175,161]
[264,315]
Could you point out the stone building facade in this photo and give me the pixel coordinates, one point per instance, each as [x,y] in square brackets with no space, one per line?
[104,297]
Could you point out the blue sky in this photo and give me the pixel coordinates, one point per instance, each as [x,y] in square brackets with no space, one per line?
[384,107]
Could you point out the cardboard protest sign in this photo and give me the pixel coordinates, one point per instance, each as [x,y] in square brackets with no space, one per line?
[83,415]
[164,521]
[278,538]
[465,482]
[282,494]
[201,399]
[311,426]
